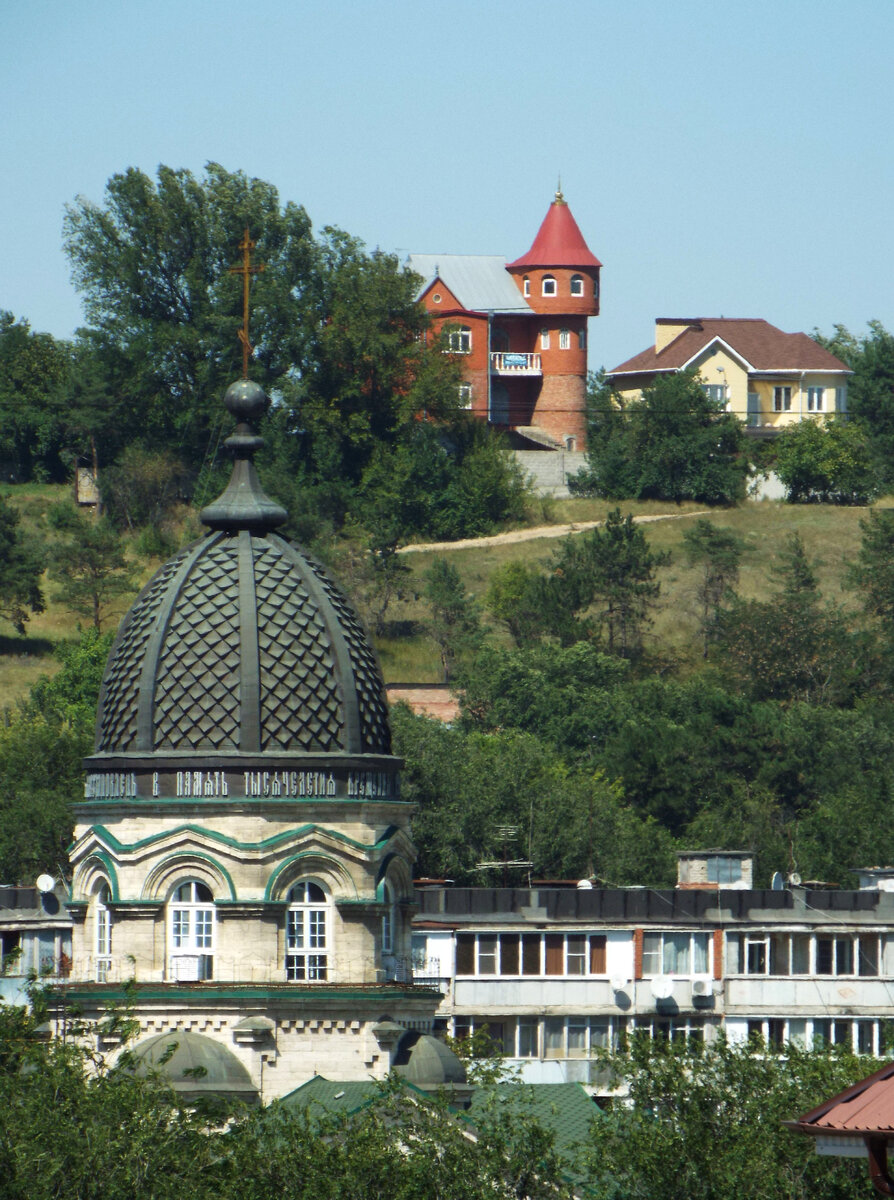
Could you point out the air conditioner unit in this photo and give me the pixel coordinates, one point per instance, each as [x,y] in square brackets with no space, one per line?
[701,989]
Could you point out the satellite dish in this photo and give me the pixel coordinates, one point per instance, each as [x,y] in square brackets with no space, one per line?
[794,879]
[662,987]
[618,984]
[45,883]
[777,883]
[584,885]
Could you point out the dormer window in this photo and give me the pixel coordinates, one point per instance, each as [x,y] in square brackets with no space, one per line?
[549,287]
[577,285]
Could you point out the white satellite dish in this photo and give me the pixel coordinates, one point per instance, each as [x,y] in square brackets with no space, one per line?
[662,987]
[794,879]
[618,984]
[45,883]
[777,883]
[584,885]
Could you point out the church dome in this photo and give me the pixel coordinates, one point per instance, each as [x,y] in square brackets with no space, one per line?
[241,643]
[196,1066]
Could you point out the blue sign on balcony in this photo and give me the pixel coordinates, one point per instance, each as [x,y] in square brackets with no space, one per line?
[515,360]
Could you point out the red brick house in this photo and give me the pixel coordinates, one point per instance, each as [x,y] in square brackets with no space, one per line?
[522,329]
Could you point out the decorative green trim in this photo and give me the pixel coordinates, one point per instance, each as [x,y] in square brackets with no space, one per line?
[203,994]
[103,832]
[284,866]
[172,858]
[109,868]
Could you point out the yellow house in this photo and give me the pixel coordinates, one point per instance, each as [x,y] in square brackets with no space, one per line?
[768,378]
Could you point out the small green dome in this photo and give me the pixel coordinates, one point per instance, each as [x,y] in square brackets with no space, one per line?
[218,1071]
[424,1060]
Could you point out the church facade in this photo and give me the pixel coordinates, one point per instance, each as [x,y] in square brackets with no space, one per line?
[242,850]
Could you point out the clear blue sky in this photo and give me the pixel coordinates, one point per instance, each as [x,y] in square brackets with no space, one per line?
[726,159]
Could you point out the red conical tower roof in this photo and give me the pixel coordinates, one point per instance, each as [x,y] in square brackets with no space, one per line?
[559,242]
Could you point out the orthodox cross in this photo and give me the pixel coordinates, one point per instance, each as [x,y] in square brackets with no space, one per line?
[246,270]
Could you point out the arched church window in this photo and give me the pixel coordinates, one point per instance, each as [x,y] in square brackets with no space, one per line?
[388,919]
[577,285]
[191,918]
[103,933]
[307,933]
[549,287]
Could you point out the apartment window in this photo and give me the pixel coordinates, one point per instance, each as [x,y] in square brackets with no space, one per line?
[582,339]
[672,1029]
[526,286]
[191,918]
[723,869]
[517,954]
[459,341]
[307,933]
[716,392]
[544,339]
[806,954]
[669,953]
[815,399]
[564,339]
[841,399]
[549,287]
[103,934]
[782,399]
[577,285]
[465,395]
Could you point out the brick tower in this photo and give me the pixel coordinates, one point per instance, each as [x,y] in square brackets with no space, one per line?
[559,279]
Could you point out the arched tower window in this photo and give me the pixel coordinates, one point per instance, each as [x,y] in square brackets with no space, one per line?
[307,933]
[549,286]
[103,933]
[526,285]
[388,921]
[577,285]
[191,923]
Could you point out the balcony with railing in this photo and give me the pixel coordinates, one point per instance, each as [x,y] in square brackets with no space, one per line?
[513,362]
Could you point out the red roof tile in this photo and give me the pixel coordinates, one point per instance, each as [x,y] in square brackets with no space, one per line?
[559,242]
[761,344]
[867,1107]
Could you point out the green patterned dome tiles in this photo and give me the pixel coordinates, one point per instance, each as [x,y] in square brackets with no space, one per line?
[367,676]
[301,703]
[197,683]
[117,724]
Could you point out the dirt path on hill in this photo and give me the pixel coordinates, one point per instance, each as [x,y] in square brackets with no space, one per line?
[538,531]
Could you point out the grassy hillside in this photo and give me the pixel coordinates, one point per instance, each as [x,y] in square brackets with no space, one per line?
[831,536]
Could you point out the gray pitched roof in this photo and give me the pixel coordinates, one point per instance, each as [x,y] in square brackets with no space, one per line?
[480,282]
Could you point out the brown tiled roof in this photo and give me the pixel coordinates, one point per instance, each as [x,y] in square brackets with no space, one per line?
[867,1107]
[761,344]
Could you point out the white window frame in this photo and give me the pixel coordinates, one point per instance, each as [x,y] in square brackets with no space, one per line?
[667,944]
[544,339]
[526,285]
[577,285]
[582,339]
[564,339]
[841,399]
[459,341]
[815,399]
[465,395]
[308,937]
[774,949]
[549,286]
[102,933]
[782,398]
[191,928]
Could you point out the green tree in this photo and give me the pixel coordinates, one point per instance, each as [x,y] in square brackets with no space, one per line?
[873,571]
[21,566]
[142,487]
[454,623]
[717,551]
[672,444]
[34,374]
[716,1114]
[90,565]
[153,265]
[605,578]
[871,387]
[519,597]
[828,462]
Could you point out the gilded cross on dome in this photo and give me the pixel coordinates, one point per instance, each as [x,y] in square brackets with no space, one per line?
[246,270]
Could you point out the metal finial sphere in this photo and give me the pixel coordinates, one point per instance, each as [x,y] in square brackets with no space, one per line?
[247,401]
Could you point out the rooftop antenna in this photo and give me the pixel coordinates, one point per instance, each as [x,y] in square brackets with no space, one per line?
[246,270]
[505,834]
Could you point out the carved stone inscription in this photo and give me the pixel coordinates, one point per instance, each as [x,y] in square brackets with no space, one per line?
[234,785]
